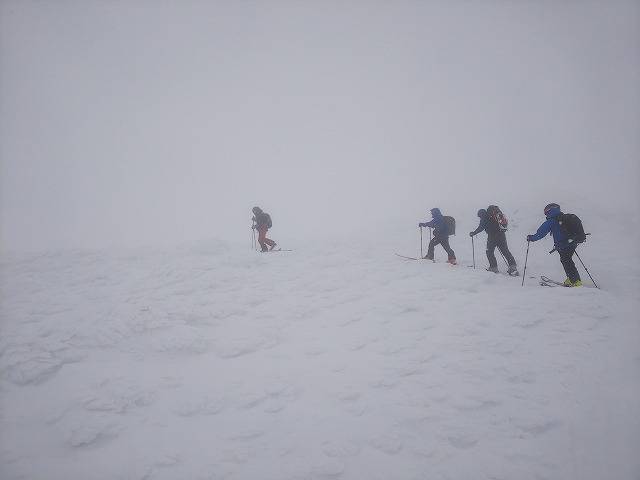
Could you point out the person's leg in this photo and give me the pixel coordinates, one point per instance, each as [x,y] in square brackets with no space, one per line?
[444,241]
[269,242]
[432,245]
[262,237]
[567,262]
[504,249]
[491,256]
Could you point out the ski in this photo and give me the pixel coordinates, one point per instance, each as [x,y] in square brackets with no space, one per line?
[408,258]
[547,280]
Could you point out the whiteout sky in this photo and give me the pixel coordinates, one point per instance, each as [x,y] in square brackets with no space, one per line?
[144,122]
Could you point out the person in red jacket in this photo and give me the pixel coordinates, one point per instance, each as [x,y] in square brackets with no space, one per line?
[262,223]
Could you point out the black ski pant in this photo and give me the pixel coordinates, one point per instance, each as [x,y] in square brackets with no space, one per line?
[498,240]
[444,241]
[566,258]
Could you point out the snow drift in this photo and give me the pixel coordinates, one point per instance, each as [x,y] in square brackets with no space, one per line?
[332,361]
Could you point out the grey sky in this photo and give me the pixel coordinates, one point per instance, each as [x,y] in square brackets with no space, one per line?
[144,122]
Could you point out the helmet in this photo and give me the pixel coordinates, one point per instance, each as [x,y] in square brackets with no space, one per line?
[482,213]
[551,206]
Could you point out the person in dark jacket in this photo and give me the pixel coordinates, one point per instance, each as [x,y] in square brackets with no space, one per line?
[262,223]
[562,244]
[440,236]
[495,238]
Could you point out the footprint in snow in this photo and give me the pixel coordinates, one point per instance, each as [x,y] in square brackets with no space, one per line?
[328,469]
[204,406]
[531,323]
[340,449]
[389,444]
[234,348]
[93,435]
[540,428]
[462,442]
[471,405]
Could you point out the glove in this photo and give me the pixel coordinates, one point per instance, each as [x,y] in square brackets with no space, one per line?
[471,234]
[253,227]
[422,225]
[529,238]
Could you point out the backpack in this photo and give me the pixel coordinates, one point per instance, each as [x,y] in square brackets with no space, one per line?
[450,223]
[269,222]
[572,226]
[499,218]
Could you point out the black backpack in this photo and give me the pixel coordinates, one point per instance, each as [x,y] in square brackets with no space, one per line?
[499,218]
[269,222]
[572,227]
[450,223]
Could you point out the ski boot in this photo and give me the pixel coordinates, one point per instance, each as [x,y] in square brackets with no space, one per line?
[452,261]
[272,246]
[427,257]
[493,269]
[513,271]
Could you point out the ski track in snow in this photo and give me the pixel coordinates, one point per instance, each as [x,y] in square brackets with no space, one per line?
[225,364]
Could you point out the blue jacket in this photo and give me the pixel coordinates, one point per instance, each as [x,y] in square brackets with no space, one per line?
[560,239]
[437,223]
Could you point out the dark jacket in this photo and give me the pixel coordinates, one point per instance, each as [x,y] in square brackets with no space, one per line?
[489,225]
[261,219]
[560,239]
[437,223]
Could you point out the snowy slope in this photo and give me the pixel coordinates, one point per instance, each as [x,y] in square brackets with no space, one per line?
[215,362]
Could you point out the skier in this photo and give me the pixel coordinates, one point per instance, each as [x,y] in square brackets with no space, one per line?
[441,232]
[262,223]
[565,246]
[496,237]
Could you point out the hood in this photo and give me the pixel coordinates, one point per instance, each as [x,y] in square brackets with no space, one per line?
[553,212]
[482,213]
[256,210]
[435,212]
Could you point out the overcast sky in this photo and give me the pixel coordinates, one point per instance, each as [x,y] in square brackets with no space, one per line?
[141,122]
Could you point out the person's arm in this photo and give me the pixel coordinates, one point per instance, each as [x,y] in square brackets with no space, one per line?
[481,227]
[542,232]
[427,224]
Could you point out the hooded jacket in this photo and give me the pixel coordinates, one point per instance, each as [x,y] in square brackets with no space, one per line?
[560,239]
[488,224]
[261,219]
[437,223]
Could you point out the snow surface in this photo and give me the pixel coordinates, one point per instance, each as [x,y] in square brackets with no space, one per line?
[335,362]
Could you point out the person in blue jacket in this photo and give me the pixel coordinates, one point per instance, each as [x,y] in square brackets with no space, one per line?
[440,236]
[561,242]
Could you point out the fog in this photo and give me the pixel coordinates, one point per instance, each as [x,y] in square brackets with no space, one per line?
[144,122]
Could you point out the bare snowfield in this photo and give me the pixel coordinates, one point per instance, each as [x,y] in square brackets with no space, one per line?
[214,362]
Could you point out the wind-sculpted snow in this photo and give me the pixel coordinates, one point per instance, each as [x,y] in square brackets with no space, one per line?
[222,363]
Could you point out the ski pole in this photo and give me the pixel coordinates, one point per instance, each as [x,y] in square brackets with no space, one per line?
[434,253]
[524,273]
[421,242]
[473,249]
[594,282]
[503,257]
[253,229]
